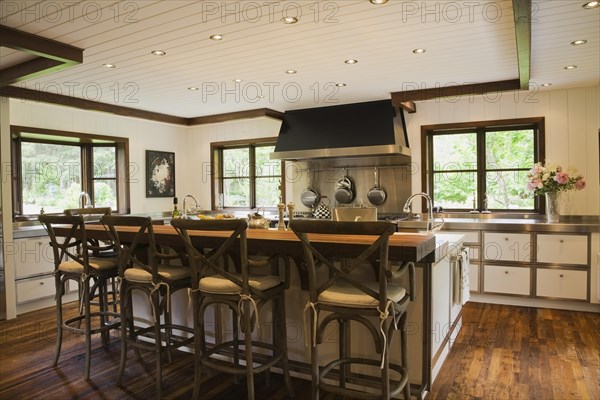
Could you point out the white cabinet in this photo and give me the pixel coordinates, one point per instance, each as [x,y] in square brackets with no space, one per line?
[440,303]
[35,289]
[562,249]
[474,277]
[561,283]
[507,280]
[34,264]
[515,247]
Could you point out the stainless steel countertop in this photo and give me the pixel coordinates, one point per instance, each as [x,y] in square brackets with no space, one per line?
[489,222]
[568,224]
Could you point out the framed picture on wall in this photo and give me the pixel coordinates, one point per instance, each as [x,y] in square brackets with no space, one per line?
[160,174]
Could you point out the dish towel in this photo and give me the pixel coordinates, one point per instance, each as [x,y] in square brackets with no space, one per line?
[461,269]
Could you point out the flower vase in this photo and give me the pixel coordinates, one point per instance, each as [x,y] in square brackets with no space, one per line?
[552,207]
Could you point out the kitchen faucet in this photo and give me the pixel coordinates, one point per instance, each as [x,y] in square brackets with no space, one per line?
[189,196]
[430,225]
[85,201]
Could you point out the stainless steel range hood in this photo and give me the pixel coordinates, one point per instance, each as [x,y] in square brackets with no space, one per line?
[371,129]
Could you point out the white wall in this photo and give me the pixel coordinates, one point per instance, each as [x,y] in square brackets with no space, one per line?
[200,138]
[572,123]
[143,135]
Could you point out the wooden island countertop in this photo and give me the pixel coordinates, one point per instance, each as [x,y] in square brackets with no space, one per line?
[403,246]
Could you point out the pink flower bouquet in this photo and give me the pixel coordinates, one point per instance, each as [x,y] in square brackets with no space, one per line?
[552,178]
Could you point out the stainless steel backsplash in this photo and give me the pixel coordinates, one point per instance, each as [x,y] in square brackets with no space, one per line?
[394,179]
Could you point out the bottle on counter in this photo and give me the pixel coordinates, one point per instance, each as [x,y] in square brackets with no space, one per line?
[176,213]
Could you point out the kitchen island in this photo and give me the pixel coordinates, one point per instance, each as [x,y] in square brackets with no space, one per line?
[425,250]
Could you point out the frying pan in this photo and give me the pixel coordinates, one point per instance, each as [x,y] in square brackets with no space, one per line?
[376,194]
[309,197]
[344,194]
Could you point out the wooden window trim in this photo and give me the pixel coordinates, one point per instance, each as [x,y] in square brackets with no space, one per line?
[216,157]
[85,142]
[428,131]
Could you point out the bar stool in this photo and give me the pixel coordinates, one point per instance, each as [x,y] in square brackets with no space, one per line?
[347,298]
[72,261]
[244,293]
[142,268]
[101,248]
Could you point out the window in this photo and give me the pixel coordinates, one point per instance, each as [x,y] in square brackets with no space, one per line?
[53,168]
[245,176]
[482,166]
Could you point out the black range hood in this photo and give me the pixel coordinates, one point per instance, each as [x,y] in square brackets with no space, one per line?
[368,129]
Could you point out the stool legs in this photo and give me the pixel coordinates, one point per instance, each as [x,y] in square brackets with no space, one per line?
[404,342]
[59,321]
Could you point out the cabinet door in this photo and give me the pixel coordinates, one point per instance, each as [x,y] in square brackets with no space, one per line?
[515,247]
[564,284]
[506,280]
[33,257]
[562,249]
[35,289]
[440,303]
[474,277]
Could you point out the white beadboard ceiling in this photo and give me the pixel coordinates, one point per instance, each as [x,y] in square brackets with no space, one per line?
[466,42]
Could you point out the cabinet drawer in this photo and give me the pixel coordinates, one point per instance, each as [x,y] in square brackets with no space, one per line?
[33,256]
[507,246]
[35,289]
[504,279]
[560,283]
[562,249]
[474,277]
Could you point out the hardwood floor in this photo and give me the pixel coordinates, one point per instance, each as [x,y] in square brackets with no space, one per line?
[502,352]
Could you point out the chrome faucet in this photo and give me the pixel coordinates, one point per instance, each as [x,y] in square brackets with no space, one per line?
[85,201]
[188,196]
[430,224]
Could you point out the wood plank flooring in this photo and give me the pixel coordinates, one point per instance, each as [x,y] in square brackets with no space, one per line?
[502,352]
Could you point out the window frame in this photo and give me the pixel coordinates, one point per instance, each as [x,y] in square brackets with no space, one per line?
[217,183]
[86,142]
[480,128]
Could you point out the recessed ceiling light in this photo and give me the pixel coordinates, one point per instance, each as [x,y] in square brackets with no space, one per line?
[340,84]
[216,37]
[193,88]
[578,42]
[570,67]
[109,65]
[289,20]
[237,80]
[378,1]
[291,71]
[591,4]
[159,52]
[351,61]
[419,51]
[546,84]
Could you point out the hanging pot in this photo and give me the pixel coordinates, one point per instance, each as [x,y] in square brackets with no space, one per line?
[344,192]
[376,194]
[309,197]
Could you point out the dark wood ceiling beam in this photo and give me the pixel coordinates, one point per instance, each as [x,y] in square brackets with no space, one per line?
[69,101]
[409,106]
[454,91]
[213,119]
[522,15]
[53,56]
[39,46]
[29,70]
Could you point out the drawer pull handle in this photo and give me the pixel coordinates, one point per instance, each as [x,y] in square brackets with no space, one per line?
[506,239]
[506,272]
[561,275]
[42,283]
[561,240]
